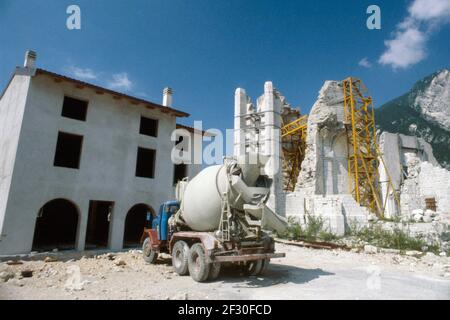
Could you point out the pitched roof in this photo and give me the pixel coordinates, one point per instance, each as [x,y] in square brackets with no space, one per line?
[117,95]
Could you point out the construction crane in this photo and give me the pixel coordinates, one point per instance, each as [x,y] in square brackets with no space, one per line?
[293,140]
[363,151]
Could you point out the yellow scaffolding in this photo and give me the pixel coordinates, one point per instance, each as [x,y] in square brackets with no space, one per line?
[294,127]
[293,137]
[363,153]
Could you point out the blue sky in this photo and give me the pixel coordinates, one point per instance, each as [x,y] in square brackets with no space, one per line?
[204,49]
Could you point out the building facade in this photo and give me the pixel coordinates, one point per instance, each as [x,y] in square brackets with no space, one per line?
[80,166]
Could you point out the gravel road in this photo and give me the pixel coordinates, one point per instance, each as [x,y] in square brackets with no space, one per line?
[303,274]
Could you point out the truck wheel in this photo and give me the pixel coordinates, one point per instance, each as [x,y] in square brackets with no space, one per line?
[253,268]
[198,267]
[180,253]
[214,271]
[149,254]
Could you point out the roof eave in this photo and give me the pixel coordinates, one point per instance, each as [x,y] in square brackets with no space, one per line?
[115,94]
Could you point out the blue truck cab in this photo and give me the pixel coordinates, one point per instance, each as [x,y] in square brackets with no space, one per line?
[160,222]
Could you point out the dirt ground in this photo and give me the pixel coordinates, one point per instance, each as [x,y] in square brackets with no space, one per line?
[303,274]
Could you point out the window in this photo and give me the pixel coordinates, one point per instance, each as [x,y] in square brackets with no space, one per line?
[180,172]
[148,127]
[68,150]
[145,164]
[74,109]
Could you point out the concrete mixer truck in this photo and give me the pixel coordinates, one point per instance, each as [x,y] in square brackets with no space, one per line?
[219,217]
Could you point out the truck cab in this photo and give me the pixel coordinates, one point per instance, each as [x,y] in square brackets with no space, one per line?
[166,210]
[156,235]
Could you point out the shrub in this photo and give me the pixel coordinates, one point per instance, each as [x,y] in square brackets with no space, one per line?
[313,230]
[395,239]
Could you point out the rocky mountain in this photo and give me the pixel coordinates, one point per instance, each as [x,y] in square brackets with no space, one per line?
[424,111]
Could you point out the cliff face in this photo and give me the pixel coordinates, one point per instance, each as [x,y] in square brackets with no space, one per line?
[424,111]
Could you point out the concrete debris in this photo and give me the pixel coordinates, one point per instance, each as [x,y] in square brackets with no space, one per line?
[396,259]
[414,253]
[390,251]
[50,259]
[110,256]
[430,213]
[14,262]
[429,256]
[369,249]
[74,281]
[6,275]
[50,272]
[135,251]
[17,282]
[412,266]
[120,263]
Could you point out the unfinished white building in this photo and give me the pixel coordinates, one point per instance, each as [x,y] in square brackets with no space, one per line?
[81,165]
[323,185]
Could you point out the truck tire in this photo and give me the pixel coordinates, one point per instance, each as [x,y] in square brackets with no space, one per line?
[148,253]
[253,268]
[180,254]
[214,271]
[198,267]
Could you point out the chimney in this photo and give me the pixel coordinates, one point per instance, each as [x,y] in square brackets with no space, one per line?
[167,97]
[30,59]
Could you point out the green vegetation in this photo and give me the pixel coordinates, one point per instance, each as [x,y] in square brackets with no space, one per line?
[312,230]
[394,239]
[399,238]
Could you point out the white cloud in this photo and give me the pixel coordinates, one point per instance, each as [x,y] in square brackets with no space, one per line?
[364,62]
[427,10]
[82,74]
[115,81]
[407,48]
[408,45]
[120,81]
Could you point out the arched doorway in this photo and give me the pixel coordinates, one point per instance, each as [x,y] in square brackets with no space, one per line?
[135,223]
[56,226]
